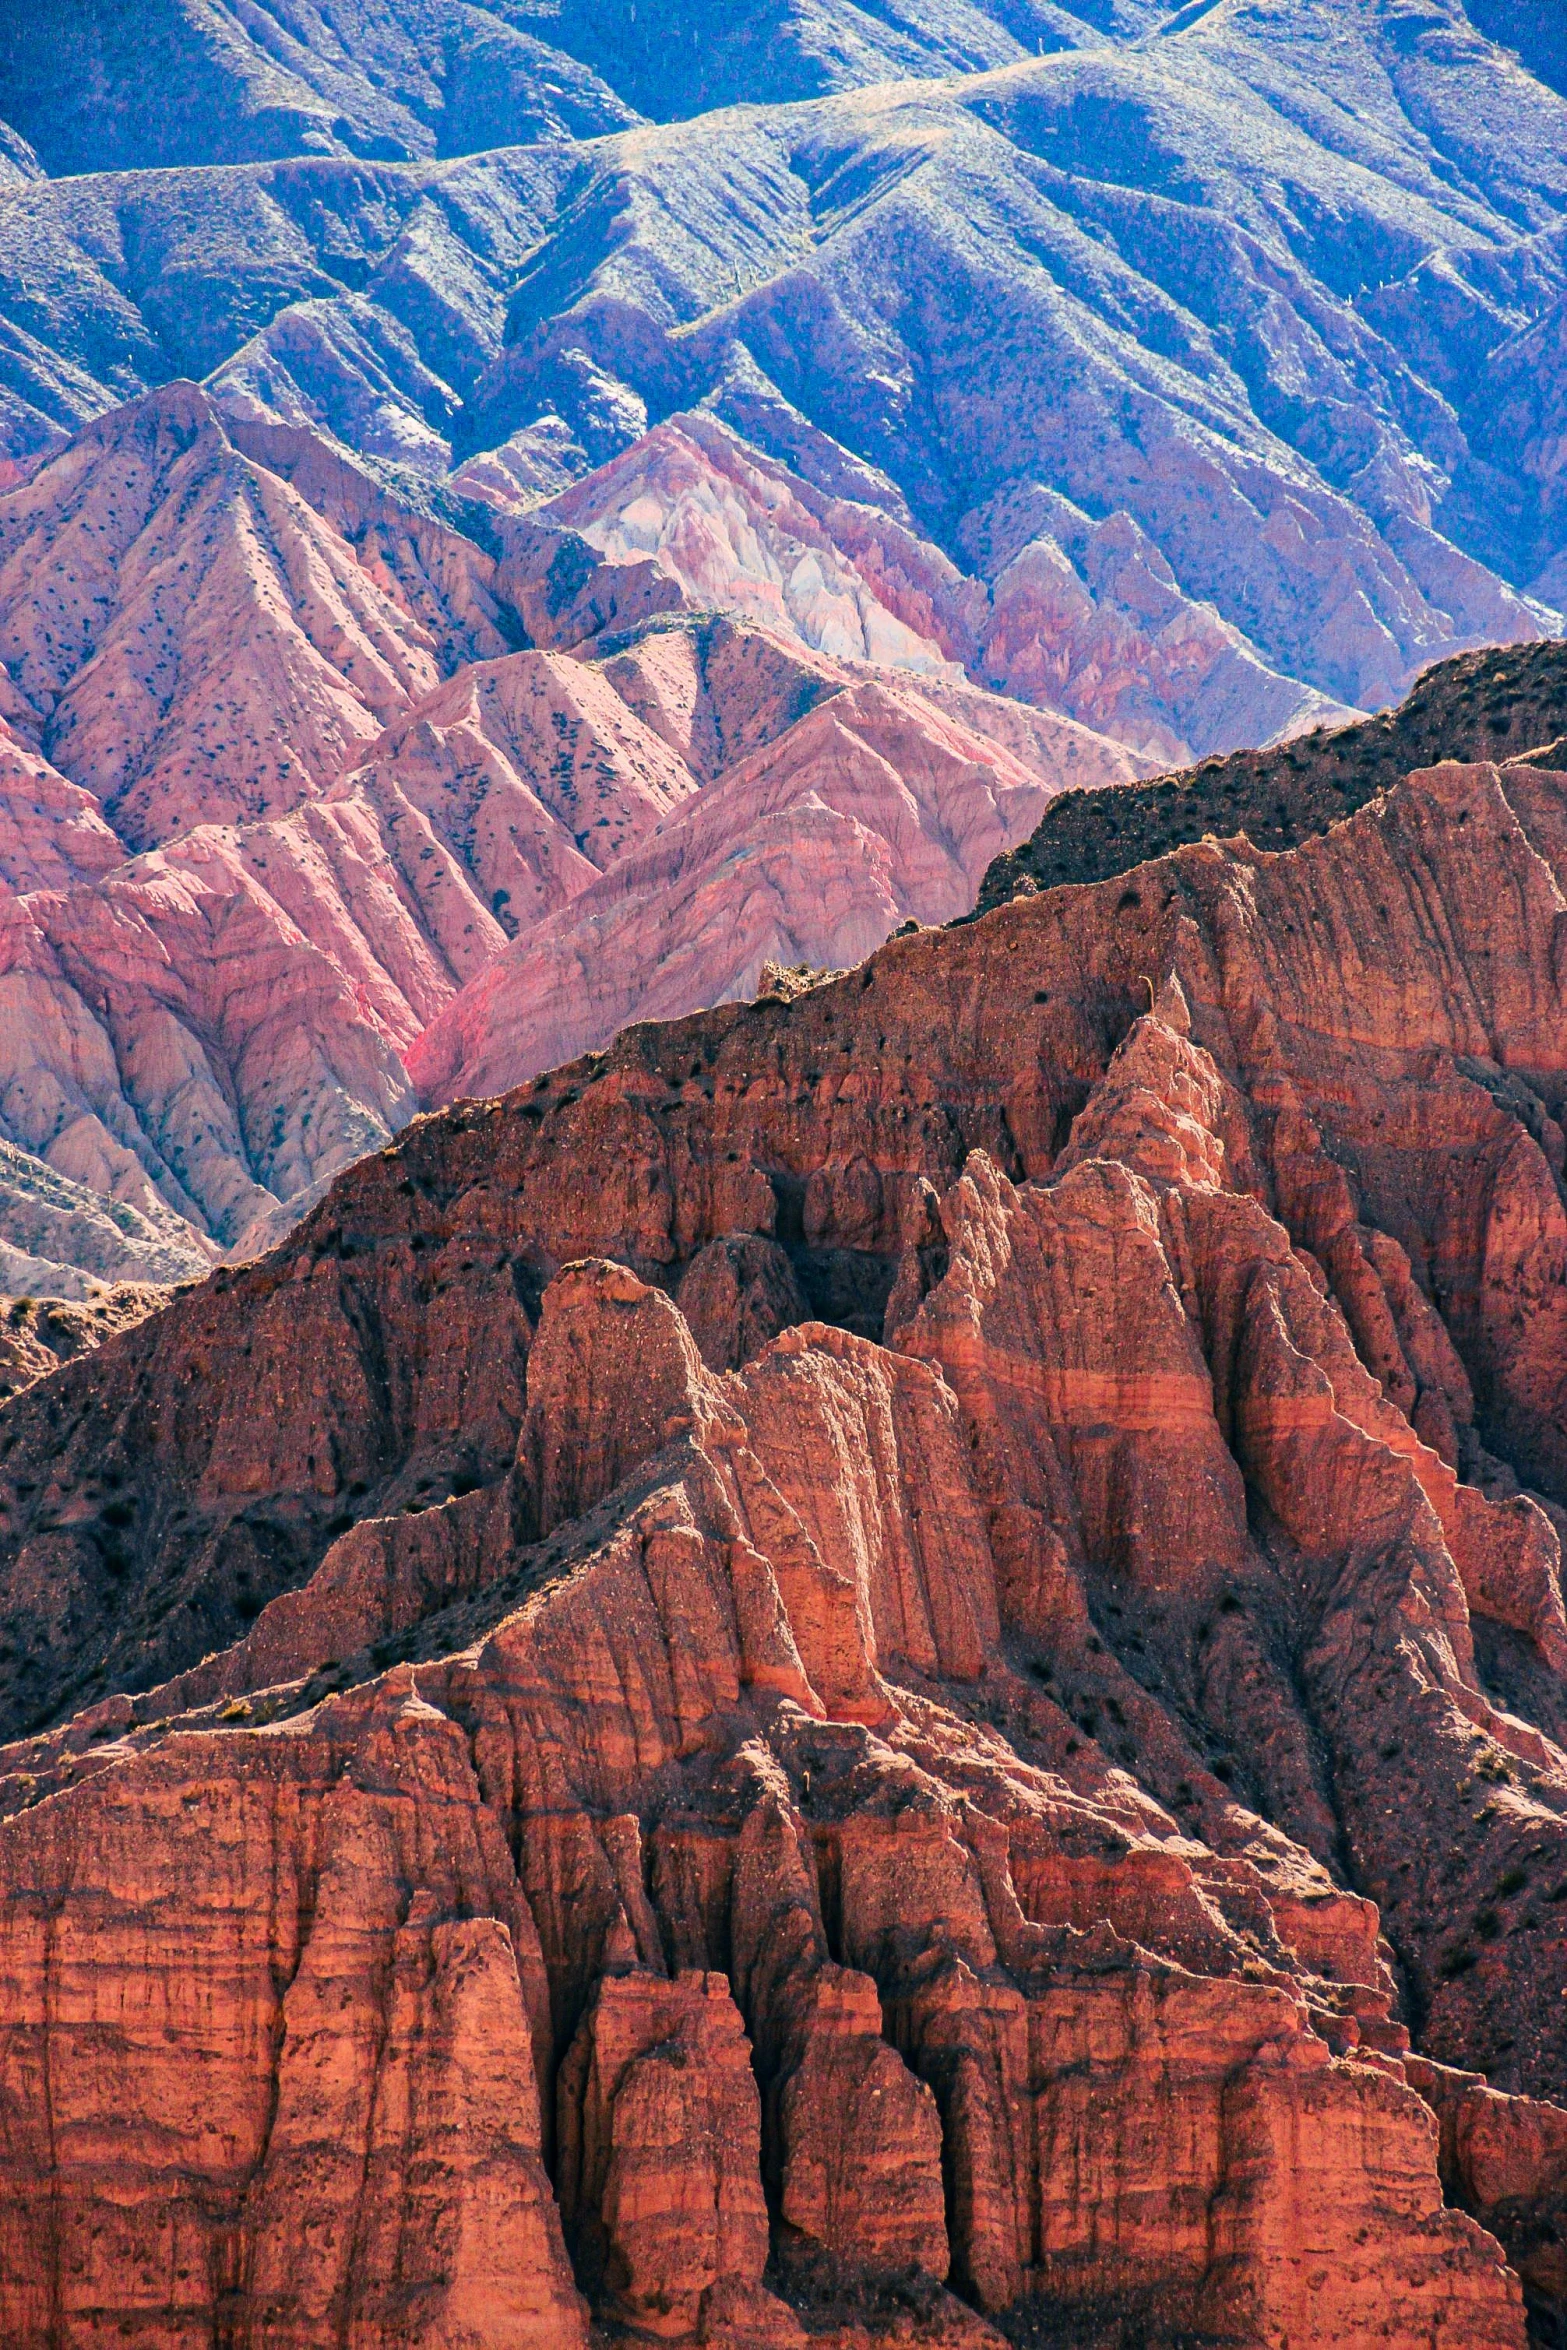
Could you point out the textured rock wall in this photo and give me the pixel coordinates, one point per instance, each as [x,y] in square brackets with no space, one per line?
[950,1784]
[689,1798]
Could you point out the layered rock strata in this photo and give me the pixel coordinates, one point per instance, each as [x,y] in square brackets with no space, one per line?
[876,1662]
[1083,618]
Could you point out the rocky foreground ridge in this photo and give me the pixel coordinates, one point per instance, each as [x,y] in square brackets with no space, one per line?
[1507,702]
[885,1667]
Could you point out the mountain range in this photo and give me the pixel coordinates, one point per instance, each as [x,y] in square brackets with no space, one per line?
[287,776]
[783,1175]
[1184,378]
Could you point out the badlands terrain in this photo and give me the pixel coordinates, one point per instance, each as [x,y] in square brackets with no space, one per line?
[879,1667]
[783,1175]
[514,518]
[290,765]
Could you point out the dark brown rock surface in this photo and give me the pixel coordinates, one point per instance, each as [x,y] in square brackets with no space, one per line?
[35,1338]
[1499,704]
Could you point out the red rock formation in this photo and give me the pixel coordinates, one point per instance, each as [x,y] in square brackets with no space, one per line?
[356,2126]
[35,1339]
[979,1751]
[912,1847]
[736,1294]
[1505,2160]
[660,2148]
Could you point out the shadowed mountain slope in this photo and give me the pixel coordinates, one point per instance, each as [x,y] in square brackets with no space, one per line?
[1255,292]
[447,77]
[1483,705]
[438,77]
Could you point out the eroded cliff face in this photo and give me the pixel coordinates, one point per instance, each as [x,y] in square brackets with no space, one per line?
[864,1671]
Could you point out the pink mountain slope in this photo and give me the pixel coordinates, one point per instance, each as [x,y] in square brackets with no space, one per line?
[240,994]
[189,638]
[1076,616]
[276,789]
[537,765]
[877,806]
[743,534]
[214,1025]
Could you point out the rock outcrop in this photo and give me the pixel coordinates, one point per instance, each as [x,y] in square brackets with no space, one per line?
[35,1338]
[1506,704]
[890,1659]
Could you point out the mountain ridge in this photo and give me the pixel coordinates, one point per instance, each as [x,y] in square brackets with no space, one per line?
[1510,705]
[1186,1256]
[436,252]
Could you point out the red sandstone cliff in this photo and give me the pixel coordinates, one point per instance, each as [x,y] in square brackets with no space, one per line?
[863,1664]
